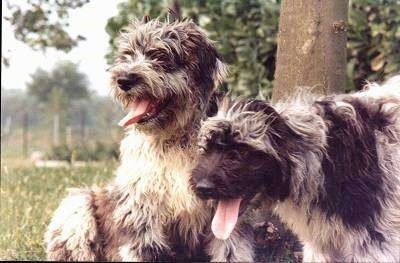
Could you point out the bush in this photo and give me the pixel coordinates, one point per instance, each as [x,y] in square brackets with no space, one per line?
[61,152]
[97,152]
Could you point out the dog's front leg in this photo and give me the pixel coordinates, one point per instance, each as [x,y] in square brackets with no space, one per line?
[237,248]
[141,227]
[146,240]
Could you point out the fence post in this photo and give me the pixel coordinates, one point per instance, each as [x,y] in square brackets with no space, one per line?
[56,129]
[83,126]
[68,135]
[25,134]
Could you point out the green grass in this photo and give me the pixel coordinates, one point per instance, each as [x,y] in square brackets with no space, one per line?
[28,198]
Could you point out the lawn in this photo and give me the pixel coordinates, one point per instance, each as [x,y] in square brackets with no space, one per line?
[28,198]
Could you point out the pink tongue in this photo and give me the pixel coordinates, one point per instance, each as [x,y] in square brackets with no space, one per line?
[225,218]
[138,109]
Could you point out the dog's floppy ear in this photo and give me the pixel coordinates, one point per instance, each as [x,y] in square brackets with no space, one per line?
[208,61]
[282,138]
[220,71]
[215,100]
[200,54]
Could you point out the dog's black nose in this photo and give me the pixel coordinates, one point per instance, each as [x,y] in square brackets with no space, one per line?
[127,82]
[205,186]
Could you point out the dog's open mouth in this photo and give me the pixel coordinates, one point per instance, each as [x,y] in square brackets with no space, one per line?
[226,216]
[141,111]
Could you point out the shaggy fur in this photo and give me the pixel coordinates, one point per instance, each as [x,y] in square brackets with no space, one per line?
[329,167]
[148,212]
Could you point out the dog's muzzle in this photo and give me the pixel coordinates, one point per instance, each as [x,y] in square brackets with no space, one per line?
[127,82]
[205,188]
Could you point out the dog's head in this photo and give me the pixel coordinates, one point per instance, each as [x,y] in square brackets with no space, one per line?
[164,73]
[238,158]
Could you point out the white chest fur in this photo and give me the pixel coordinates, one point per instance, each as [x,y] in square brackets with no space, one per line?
[157,177]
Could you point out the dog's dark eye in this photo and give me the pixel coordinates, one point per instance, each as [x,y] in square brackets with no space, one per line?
[158,55]
[236,133]
[243,152]
[124,55]
[162,59]
[126,52]
[201,149]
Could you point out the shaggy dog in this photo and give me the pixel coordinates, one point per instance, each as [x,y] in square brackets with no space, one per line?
[165,75]
[329,167]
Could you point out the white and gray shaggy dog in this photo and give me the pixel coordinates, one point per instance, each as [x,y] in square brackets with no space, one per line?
[329,167]
[165,74]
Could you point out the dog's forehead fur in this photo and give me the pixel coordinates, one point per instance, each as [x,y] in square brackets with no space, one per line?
[181,42]
[239,120]
[154,37]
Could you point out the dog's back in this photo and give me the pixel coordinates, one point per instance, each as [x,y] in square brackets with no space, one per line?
[359,200]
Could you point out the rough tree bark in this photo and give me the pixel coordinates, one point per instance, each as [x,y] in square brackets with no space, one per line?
[311,46]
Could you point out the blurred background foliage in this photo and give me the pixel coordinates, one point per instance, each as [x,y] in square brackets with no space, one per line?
[373,46]
[87,128]
[245,33]
[42,23]
[64,78]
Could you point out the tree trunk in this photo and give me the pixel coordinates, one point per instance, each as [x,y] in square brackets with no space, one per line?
[311,46]
[311,52]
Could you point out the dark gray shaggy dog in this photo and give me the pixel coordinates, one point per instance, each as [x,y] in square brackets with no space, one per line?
[329,166]
[165,74]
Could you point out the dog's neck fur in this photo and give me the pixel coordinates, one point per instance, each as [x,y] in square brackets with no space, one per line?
[175,140]
[146,161]
[157,176]
[143,167]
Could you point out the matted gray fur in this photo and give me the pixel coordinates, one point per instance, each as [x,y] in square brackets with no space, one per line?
[329,167]
[165,74]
